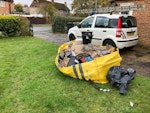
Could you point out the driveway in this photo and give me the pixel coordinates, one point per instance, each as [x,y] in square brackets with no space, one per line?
[45,32]
[138,58]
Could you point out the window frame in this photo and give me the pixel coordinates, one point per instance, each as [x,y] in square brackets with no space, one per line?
[105,22]
[129,21]
[2,3]
[87,21]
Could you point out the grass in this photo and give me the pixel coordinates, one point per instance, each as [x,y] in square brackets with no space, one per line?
[31,83]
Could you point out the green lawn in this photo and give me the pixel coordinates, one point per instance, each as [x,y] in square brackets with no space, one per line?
[31,83]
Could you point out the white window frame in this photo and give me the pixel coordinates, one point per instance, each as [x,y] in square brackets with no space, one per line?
[2,4]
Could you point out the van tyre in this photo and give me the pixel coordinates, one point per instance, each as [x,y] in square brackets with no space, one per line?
[71,37]
[109,42]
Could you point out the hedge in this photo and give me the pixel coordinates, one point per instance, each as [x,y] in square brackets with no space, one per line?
[14,26]
[59,23]
[24,27]
[9,25]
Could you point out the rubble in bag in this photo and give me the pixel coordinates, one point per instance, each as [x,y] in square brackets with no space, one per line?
[77,52]
[120,78]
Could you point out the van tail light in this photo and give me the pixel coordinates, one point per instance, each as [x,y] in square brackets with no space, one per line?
[118,33]
[119,22]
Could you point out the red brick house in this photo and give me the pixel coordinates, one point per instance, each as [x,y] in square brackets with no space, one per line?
[6,6]
[143,20]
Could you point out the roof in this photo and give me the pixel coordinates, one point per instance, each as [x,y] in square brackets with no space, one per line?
[36,3]
[58,6]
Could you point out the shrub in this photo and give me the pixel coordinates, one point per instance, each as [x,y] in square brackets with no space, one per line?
[59,23]
[14,26]
[50,9]
[24,27]
[2,34]
[9,25]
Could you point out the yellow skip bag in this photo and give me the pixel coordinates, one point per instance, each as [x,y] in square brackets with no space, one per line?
[96,70]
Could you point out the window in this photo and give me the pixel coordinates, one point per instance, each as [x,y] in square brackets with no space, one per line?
[2,4]
[101,22]
[128,22]
[87,23]
[113,23]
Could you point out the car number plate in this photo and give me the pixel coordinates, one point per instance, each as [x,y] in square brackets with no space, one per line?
[130,34]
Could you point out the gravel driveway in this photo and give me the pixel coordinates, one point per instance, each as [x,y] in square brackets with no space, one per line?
[138,58]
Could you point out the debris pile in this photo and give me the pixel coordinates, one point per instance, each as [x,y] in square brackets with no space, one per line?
[77,52]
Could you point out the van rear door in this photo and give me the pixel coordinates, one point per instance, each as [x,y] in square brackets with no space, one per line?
[129,27]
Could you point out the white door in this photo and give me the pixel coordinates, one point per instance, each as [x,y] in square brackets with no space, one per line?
[86,26]
[101,29]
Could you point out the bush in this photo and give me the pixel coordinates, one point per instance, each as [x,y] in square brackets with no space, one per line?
[2,34]
[24,27]
[14,26]
[9,25]
[59,23]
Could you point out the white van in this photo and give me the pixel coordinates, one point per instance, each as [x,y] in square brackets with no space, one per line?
[118,30]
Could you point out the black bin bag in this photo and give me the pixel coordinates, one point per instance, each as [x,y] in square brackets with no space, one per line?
[120,77]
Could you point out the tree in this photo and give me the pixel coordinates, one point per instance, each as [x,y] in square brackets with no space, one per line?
[50,9]
[18,8]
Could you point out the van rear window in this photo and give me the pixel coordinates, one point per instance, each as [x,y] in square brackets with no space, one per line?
[127,22]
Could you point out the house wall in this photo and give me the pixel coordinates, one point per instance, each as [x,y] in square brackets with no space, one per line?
[143,21]
[4,7]
[39,9]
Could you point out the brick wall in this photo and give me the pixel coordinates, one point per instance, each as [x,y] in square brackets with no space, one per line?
[5,9]
[143,21]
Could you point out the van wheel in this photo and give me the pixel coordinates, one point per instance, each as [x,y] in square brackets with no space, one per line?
[109,42]
[71,37]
